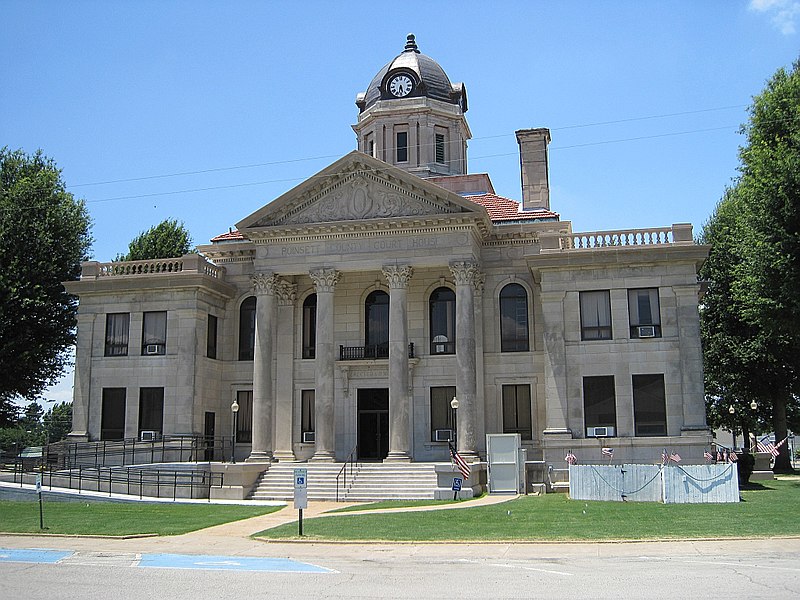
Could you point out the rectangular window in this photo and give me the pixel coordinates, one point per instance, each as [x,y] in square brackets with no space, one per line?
[307,412]
[117,325]
[402,146]
[369,145]
[599,404]
[112,419]
[154,333]
[645,317]
[211,337]
[649,405]
[596,315]
[244,418]
[443,417]
[151,410]
[517,410]
[440,148]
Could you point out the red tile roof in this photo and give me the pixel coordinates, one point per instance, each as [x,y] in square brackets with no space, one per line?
[230,236]
[503,210]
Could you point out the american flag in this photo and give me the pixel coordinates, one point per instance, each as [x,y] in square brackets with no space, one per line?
[462,465]
[768,447]
[733,457]
[675,457]
[571,458]
[666,457]
[708,456]
[609,452]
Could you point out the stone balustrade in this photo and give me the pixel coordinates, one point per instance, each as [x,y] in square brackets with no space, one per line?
[680,233]
[188,263]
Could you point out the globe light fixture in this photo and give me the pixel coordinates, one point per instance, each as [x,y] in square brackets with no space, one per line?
[731,409]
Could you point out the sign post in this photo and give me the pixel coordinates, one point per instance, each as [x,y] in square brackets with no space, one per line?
[39,491]
[457,481]
[300,495]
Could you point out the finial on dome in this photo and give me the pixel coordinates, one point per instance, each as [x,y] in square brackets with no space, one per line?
[411,44]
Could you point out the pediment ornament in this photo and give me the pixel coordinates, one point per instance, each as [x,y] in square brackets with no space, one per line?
[357,199]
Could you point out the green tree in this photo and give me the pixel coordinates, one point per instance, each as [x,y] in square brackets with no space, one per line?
[57,422]
[751,315]
[168,239]
[44,236]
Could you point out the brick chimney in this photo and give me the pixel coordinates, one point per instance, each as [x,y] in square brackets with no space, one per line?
[533,167]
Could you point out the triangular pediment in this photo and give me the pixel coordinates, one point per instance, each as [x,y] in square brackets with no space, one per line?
[358,187]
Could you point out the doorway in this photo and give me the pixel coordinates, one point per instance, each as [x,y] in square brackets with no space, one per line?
[373,424]
[208,431]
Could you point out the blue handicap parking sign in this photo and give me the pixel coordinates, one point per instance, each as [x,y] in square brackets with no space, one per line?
[457,481]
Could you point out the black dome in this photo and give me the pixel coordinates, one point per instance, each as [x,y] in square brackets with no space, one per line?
[432,81]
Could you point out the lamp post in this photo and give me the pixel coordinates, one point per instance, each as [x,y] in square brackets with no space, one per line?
[235,415]
[454,407]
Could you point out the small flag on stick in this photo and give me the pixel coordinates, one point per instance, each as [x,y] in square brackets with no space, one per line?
[571,458]
[609,452]
[707,455]
[459,462]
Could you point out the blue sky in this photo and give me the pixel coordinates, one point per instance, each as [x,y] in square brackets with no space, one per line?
[206,111]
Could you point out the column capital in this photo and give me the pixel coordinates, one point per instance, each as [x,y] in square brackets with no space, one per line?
[479,282]
[265,284]
[397,277]
[464,272]
[325,280]
[286,292]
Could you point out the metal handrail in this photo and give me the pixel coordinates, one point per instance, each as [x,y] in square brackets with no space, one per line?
[352,460]
[369,352]
[122,479]
[196,448]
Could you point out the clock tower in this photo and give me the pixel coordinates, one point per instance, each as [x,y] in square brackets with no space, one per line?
[412,117]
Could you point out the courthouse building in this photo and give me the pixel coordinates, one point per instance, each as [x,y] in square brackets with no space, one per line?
[350,312]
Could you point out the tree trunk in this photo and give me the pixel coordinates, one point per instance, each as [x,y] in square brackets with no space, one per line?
[782,462]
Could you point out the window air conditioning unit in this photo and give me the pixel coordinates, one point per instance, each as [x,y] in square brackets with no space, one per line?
[647,331]
[151,349]
[599,432]
[148,436]
[442,435]
[309,437]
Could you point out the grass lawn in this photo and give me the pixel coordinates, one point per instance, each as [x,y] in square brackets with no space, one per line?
[398,504]
[113,518]
[770,509]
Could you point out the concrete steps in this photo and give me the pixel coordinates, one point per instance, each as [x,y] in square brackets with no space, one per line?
[369,482]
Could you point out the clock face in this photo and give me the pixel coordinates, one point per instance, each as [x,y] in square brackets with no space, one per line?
[400,86]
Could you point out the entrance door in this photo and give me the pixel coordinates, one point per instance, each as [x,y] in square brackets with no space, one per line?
[209,435]
[373,424]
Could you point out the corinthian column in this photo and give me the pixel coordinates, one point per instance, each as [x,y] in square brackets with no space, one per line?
[264,286]
[399,400]
[284,388]
[325,281]
[465,275]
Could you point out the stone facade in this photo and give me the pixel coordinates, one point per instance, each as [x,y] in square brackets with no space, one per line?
[340,315]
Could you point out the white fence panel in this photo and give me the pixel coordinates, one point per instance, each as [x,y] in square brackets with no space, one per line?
[638,483]
[654,483]
[700,484]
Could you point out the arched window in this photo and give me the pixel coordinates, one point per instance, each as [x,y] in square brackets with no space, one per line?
[513,319]
[442,306]
[247,328]
[376,317]
[310,326]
